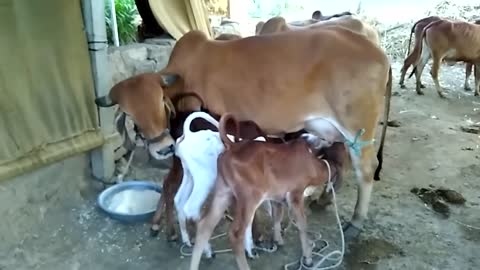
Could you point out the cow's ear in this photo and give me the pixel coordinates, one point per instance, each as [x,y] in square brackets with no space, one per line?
[104,101]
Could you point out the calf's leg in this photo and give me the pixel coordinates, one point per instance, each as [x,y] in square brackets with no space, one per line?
[170,186]
[244,212]
[296,203]
[207,224]
[277,216]
[184,192]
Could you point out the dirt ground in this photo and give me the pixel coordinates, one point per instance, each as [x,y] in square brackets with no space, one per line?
[401,233]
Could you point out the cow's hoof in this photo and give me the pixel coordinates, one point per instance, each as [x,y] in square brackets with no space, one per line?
[420,93]
[422,86]
[278,242]
[442,96]
[154,230]
[172,237]
[350,231]
[467,88]
[402,86]
[253,255]
[307,262]
[210,255]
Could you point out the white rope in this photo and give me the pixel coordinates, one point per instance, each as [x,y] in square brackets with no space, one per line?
[339,254]
[122,174]
[267,250]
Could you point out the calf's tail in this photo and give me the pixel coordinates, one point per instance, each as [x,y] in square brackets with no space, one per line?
[223,129]
[194,115]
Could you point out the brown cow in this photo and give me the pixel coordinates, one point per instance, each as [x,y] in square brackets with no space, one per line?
[276,81]
[468,69]
[278,24]
[417,29]
[250,172]
[316,17]
[227,36]
[452,41]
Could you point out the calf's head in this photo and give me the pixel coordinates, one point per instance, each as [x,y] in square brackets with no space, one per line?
[142,98]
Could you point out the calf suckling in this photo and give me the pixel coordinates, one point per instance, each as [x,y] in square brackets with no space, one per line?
[193,132]
[198,152]
[250,172]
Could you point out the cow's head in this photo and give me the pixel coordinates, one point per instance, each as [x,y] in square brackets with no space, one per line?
[142,98]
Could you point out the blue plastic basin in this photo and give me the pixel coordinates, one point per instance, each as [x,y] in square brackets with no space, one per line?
[105,196]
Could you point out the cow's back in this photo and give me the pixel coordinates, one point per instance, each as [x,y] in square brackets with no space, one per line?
[303,71]
[460,40]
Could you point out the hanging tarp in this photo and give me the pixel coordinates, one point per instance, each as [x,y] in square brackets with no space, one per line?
[178,17]
[47,109]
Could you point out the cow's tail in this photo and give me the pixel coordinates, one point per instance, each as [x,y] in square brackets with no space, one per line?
[223,130]
[410,39]
[419,46]
[386,112]
[194,115]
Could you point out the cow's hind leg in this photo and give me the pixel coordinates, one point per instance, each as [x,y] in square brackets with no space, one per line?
[434,72]
[476,73]
[363,166]
[468,72]
[425,56]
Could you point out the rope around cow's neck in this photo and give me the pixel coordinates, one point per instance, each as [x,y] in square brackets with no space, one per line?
[339,254]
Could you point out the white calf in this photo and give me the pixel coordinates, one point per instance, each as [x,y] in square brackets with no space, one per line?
[198,152]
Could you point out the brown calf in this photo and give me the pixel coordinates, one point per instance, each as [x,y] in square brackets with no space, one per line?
[452,41]
[250,172]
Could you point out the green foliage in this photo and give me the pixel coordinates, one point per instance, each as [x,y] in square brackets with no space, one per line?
[127,13]
[272,8]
